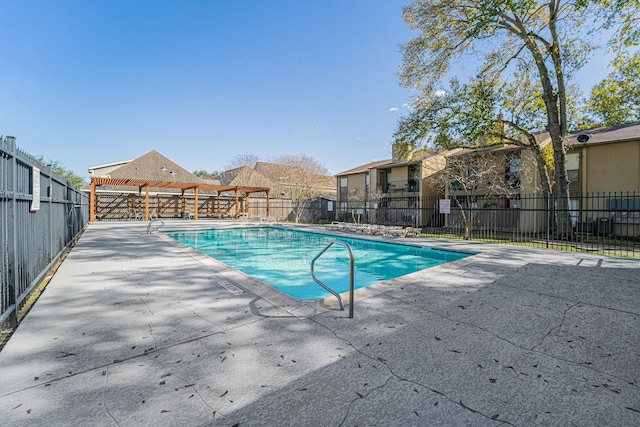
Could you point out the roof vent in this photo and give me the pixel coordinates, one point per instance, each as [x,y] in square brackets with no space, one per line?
[584,137]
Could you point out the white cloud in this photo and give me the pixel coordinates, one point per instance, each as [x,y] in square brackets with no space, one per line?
[393,109]
[359,139]
[440,93]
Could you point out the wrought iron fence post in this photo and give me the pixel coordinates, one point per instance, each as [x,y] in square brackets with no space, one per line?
[30,241]
[547,201]
[13,239]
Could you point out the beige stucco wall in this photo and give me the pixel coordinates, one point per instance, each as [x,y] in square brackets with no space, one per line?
[529,176]
[400,174]
[611,167]
[373,184]
[431,167]
[356,184]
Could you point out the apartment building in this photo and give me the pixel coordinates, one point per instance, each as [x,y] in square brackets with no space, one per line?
[603,165]
[391,191]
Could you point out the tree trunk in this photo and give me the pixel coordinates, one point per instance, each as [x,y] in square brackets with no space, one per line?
[554,126]
[556,120]
[465,219]
[564,227]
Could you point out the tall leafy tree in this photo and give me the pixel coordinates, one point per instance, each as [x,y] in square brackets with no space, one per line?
[616,99]
[526,51]
[63,172]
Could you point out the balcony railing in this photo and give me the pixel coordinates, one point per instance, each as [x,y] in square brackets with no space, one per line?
[411,186]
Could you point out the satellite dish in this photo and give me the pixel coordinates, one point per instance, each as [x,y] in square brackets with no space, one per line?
[584,137]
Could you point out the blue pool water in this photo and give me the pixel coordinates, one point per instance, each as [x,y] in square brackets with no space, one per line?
[282,258]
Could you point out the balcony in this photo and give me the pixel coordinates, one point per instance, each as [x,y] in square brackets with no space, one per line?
[411,186]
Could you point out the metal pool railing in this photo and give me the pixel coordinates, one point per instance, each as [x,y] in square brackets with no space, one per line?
[154,225]
[351,285]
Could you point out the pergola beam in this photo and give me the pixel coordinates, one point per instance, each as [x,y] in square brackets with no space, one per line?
[146,184]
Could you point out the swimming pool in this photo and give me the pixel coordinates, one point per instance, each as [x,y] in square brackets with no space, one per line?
[281,258]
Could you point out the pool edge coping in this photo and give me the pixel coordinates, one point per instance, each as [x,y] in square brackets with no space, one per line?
[303,308]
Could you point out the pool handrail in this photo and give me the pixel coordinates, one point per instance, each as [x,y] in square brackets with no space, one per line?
[151,227]
[351,285]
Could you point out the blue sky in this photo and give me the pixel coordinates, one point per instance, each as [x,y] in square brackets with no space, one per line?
[94,82]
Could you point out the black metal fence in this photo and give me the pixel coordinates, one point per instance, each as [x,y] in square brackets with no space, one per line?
[40,215]
[319,210]
[607,223]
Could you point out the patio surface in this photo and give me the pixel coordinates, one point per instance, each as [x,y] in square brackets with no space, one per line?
[135,330]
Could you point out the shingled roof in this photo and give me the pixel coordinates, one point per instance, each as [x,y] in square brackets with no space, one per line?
[243,175]
[274,175]
[606,134]
[153,166]
[154,171]
[366,167]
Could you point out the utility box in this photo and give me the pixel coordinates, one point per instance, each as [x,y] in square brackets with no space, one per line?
[584,227]
[605,226]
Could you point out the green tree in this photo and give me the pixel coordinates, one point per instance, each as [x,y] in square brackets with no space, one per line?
[201,173]
[61,171]
[531,49]
[465,116]
[616,99]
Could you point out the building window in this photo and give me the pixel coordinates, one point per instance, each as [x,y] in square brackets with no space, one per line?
[343,187]
[384,180]
[512,178]
[367,181]
[573,167]
[414,179]
[574,211]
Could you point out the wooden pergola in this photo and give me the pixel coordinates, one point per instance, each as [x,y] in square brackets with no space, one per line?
[183,186]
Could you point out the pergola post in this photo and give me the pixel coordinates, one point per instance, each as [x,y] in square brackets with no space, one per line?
[146,202]
[183,203]
[195,214]
[267,203]
[92,202]
[237,201]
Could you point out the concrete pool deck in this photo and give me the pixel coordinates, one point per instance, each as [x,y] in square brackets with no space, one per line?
[134,330]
